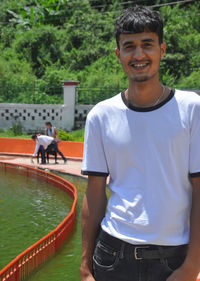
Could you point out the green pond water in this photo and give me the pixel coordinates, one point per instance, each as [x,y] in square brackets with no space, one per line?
[29,209]
[65,264]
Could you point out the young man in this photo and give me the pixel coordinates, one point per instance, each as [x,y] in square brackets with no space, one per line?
[147,139]
[52,132]
[42,142]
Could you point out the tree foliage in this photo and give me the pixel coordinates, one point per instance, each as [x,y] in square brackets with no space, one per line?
[43,42]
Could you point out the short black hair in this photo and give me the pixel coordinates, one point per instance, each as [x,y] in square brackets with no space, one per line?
[139,19]
[48,123]
[34,137]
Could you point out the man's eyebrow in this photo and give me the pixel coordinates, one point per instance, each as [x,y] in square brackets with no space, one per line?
[148,40]
[143,40]
[127,43]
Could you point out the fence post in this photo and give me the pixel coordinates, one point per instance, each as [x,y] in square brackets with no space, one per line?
[69,104]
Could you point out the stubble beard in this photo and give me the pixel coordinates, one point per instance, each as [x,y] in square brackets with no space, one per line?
[141,79]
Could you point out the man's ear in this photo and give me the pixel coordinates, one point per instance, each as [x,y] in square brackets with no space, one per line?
[163,49]
[117,53]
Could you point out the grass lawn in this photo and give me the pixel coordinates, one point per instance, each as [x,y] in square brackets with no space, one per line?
[9,135]
[77,135]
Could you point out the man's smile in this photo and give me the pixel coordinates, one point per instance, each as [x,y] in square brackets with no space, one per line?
[139,65]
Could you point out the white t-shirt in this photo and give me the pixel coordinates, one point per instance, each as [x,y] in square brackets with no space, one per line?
[149,154]
[44,141]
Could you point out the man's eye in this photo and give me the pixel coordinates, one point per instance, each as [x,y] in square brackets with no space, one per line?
[147,45]
[129,47]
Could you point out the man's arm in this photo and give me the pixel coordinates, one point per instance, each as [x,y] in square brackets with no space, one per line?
[191,266]
[55,132]
[37,145]
[93,211]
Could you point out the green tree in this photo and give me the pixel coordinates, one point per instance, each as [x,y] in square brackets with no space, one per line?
[15,77]
[182,35]
[40,47]
[43,42]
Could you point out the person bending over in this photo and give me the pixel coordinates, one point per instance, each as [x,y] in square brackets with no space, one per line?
[42,142]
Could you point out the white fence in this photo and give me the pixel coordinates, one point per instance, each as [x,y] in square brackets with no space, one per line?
[32,117]
[81,112]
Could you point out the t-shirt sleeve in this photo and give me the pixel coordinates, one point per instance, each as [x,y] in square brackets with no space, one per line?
[94,159]
[194,162]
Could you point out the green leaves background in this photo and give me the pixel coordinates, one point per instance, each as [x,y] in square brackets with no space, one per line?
[43,42]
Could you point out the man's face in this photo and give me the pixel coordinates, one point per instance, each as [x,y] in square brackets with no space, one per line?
[140,55]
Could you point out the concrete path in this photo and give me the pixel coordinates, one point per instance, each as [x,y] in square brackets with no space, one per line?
[73,166]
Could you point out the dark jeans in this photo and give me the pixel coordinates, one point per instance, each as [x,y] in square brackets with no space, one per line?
[113,264]
[42,152]
[58,151]
[51,149]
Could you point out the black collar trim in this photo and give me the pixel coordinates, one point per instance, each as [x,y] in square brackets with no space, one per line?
[146,109]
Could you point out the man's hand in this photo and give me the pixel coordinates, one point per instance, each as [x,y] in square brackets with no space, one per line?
[191,266]
[86,275]
[93,211]
[183,274]
[88,278]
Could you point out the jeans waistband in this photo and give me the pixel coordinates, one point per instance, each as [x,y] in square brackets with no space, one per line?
[143,251]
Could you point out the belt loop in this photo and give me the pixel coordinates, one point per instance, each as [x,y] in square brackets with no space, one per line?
[121,254]
[161,254]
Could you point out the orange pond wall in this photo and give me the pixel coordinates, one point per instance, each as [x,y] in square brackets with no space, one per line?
[26,146]
[20,268]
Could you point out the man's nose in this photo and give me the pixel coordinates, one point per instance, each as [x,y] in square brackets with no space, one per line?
[138,53]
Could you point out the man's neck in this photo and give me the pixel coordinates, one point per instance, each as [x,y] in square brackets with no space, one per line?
[145,94]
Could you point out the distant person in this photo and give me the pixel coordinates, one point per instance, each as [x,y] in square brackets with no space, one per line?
[42,142]
[52,132]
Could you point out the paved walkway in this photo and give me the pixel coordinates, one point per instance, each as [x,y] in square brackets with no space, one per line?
[73,166]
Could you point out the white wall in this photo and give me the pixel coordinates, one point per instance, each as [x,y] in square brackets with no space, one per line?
[81,112]
[32,117]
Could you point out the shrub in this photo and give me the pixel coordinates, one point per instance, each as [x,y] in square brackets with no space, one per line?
[78,135]
[17,129]
[63,135]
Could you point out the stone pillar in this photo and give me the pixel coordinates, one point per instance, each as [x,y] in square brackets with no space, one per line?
[69,104]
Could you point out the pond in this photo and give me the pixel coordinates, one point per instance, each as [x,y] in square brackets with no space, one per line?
[29,209]
[65,264]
